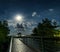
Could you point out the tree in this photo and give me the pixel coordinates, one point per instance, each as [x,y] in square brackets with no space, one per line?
[4,31]
[45,28]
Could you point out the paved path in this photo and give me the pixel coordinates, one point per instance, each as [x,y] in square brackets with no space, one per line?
[19,46]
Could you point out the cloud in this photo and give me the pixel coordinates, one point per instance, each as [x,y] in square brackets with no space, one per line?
[28,26]
[31,23]
[57,22]
[50,9]
[11,23]
[53,20]
[34,14]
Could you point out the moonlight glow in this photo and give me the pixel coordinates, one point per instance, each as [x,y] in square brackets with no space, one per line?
[19,18]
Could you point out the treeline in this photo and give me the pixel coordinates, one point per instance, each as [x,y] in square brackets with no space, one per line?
[4,39]
[45,28]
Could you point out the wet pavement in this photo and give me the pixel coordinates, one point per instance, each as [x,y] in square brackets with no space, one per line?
[19,46]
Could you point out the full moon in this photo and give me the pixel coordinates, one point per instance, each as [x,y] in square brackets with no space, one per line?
[19,18]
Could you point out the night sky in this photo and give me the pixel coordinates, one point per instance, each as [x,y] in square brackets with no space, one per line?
[32,10]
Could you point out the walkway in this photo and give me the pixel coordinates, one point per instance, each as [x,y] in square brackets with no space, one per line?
[19,46]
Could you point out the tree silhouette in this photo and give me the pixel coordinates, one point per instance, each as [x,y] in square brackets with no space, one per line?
[4,40]
[46,30]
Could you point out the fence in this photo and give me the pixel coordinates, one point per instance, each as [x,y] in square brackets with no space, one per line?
[41,44]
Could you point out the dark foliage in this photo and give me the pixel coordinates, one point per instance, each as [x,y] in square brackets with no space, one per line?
[46,30]
[4,39]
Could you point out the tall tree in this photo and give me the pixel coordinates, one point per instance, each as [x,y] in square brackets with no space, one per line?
[4,31]
[45,28]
